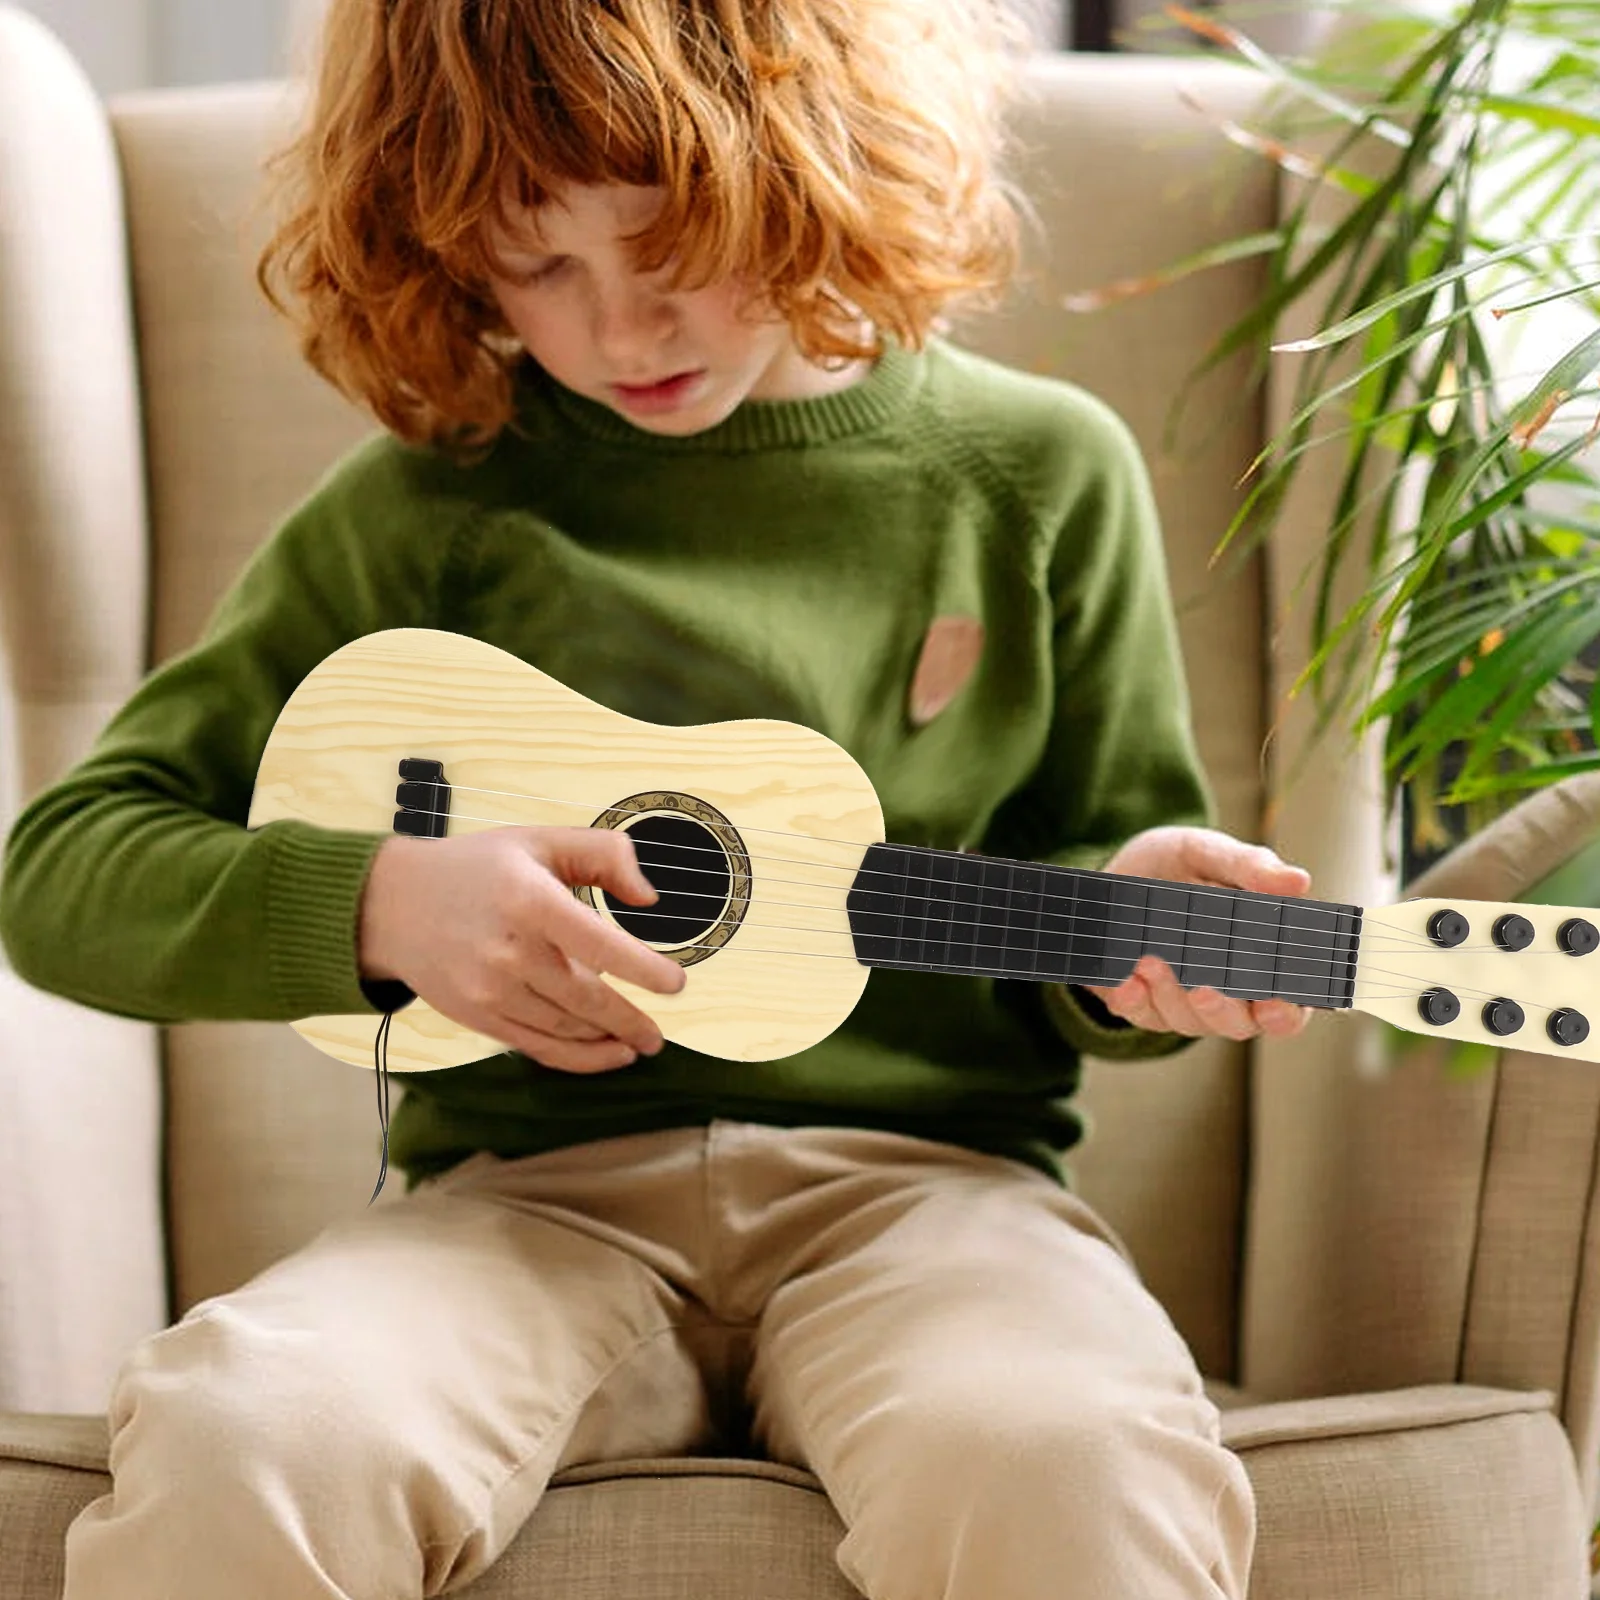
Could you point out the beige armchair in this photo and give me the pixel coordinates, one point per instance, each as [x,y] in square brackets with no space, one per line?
[1393,1280]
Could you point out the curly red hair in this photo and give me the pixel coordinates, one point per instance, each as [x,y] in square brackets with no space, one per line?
[844,153]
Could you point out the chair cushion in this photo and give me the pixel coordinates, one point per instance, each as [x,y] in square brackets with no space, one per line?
[1415,1494]
[1444,1490]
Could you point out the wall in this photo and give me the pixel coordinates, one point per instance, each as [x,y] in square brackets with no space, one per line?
[139,44]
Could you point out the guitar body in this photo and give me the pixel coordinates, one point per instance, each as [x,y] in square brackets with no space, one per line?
[783,815]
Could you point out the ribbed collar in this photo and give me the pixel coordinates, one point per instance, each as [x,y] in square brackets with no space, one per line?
[753,425]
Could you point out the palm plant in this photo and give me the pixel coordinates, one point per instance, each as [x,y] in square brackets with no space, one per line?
[1466,488]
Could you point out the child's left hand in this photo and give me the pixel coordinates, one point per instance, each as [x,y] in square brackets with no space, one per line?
[1151,997]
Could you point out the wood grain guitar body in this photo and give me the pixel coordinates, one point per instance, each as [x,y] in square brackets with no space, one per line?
[782,814]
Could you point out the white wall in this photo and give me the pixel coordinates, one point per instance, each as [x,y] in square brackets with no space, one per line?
[212,41]
[139,44]
[110,38]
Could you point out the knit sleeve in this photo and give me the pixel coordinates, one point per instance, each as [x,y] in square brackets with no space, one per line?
[1121,755]
[133,884]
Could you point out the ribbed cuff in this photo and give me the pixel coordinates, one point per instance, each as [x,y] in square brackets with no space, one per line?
[1069,1009]
[314,885]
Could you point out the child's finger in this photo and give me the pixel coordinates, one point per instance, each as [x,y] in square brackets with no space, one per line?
[1281,1018]
[584,936]
[1146,1001]
[1151,997]
[578,991]
[1217,857]
[539,1015]
[1196,1011]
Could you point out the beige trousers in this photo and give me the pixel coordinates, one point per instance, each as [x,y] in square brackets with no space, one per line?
[956,1347]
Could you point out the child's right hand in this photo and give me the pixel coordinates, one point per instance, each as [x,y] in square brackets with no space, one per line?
[485,928]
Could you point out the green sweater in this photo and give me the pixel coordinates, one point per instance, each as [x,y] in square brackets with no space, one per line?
[785,563]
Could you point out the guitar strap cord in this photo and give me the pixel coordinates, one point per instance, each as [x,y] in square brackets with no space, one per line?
[380,1064]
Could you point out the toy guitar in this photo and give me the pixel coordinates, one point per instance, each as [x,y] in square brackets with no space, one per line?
[765,842]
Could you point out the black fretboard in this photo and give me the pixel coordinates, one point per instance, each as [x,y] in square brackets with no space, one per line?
[948,911]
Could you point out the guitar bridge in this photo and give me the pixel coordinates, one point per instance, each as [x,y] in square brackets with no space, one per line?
[424,799]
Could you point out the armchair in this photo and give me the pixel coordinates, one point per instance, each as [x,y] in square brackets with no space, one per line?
[1393,1281]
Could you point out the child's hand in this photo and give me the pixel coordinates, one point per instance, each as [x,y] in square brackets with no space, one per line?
[1151,997]
[485,928]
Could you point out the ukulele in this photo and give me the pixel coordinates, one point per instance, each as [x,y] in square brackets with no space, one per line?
[778,892]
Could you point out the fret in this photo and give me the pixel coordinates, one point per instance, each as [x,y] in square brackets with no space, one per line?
[919,908]
[1318,952]
[944,908]
[1058,927]
[1166,922]
[1253,948]
[914,911]
[924,941]
[1090,927]
[900,883]
[966,892]
[1205,959]
[1002,876]
[1025,896]
[1127,916]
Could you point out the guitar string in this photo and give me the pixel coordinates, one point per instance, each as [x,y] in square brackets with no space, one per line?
[793,861]
[1370,920]
[1408,940]
[1044,898]
[1322,955]
[1407,981]
[808,838]
[1404,939]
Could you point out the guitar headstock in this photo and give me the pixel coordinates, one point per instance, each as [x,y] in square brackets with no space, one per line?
[1523,977]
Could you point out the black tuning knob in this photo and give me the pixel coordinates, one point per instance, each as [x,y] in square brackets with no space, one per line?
[1577,936]
[1447,928]
[1512,932]
[1567,1026]
[1438,1006]
[1502,1016]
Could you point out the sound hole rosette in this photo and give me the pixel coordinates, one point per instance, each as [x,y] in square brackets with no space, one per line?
[670,803]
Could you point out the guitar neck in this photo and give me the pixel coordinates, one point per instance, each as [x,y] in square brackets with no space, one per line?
[948,911]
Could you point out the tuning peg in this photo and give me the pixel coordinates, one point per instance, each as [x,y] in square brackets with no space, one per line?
[1577,936]
[1438,1006]
[1447,928]
[1512,932]
[1502,1016]
[1567,1026]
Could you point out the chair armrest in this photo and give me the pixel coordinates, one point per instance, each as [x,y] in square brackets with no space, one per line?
[1545,847]
[1411,1225]
[82,1263]
[1532,1316]
[73,549]
[82,1272]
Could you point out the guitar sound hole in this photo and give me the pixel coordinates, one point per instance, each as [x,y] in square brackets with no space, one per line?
[686,864]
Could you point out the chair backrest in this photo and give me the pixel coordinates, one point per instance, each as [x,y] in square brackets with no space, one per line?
[266,1140]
